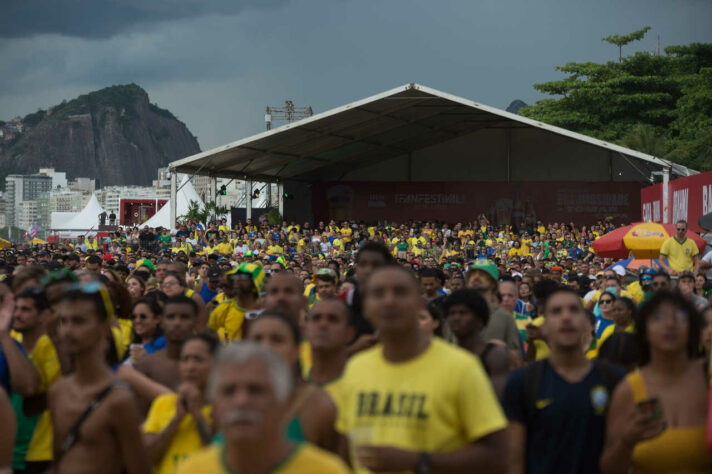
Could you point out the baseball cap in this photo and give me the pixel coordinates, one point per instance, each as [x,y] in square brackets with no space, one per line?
[620,271]
[214,273]
[686,274]
[486,266]
[144,262]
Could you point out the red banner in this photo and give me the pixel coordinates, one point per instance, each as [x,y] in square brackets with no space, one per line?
[651,203]
[689,198]
[502,203]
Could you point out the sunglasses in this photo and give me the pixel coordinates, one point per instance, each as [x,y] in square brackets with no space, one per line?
[681,229]
[94,289]
[606,301]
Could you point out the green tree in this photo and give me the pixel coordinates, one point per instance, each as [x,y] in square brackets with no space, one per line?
[660,105]
[622,40]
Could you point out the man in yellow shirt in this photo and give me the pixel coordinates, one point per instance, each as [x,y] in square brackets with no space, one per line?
[250,391]
[243,286]
[681,253]
[413,402]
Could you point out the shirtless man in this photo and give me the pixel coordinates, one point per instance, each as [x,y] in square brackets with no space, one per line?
[109,439]
[180,316]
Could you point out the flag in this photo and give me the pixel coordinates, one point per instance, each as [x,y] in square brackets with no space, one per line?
[282,261]
[35,228]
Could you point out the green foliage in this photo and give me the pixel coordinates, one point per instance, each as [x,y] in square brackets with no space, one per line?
[622,40]
[209,212]
[162,112]
[274,217]
[660,105]
[34,118]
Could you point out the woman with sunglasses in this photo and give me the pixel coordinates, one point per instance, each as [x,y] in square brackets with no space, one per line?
[656,420]
[147,334]
[623,312]
[606,319]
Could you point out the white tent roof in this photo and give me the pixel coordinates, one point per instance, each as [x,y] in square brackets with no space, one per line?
[85,220]
[421,125]
[59,219]
[185,194]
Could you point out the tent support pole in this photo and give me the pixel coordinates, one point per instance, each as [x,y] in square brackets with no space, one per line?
[174,193]
[280,198]
[508,144]
[666,185]
[248,199]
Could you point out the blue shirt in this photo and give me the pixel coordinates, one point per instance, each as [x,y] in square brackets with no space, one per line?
[601,325]
[5,369]
[206,294]
[155,345]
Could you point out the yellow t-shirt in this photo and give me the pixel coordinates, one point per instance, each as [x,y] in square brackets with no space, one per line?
[303,458]
[515,251]
[637,291]
[44,357]
[224,248]
[126,326]
[185,441]
[301,245]
[440,401]
[273,249]
[346,232]
[679,254]
[224,228]
[227,319]
[542,348]
[305,357]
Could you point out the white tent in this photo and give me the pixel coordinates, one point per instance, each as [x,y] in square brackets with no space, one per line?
[186,194]
[87,219]
[59,219]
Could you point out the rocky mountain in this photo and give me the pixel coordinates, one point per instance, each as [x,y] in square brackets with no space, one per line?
[515,106]
[114,135]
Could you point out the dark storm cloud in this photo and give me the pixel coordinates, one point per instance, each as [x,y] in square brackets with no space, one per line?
[106,18]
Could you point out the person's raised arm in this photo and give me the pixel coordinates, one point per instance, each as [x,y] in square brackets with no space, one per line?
[24,378]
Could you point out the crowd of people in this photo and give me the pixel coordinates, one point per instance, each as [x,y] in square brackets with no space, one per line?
[346,347]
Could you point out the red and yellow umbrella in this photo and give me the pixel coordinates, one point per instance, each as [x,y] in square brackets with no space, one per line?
[642,239]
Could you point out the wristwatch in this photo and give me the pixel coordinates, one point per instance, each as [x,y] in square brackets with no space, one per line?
[424,464]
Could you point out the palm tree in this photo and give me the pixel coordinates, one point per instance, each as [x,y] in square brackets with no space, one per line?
[208,213]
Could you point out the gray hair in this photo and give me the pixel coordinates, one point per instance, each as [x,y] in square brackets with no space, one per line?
[242,352]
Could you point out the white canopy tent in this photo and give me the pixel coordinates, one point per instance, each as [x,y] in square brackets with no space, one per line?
[186,193]
[83,222]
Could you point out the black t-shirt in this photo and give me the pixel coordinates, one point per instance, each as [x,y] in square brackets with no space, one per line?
[565,431]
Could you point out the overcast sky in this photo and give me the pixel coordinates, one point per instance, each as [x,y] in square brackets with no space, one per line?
[217,64]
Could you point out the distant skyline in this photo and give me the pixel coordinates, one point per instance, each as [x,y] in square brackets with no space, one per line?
[216,65]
